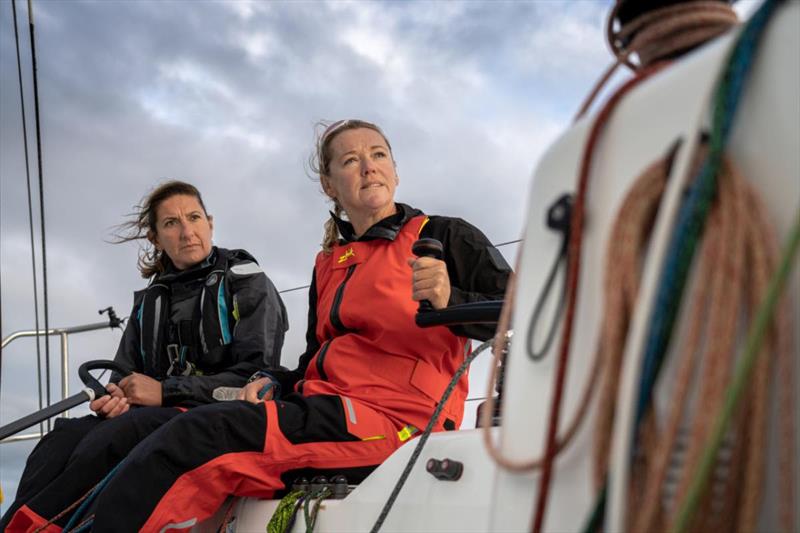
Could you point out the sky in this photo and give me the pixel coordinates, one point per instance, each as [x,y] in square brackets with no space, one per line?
[225,94]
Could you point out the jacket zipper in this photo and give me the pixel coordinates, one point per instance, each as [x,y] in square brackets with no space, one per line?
[337,301]
[320,360]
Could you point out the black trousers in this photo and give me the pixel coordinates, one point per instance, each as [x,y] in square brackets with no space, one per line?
[76,455]
[48,459]
[182,473]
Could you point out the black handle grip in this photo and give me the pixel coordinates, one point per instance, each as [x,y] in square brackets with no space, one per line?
[100,364]
[427,247]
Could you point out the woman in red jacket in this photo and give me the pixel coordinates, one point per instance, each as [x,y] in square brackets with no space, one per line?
[369,376]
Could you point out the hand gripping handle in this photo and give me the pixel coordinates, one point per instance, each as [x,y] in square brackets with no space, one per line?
[427,248]
[100,364]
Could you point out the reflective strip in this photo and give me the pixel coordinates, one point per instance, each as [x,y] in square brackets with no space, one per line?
[141,335]
[203,342]
[246,269]
[179,525]
[156,322]
[222,306]
[351,413]
[406,433]
[223,394]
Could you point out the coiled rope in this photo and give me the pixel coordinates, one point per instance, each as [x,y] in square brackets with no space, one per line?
[636,36]
[501,339]
[660,34]
[738,253]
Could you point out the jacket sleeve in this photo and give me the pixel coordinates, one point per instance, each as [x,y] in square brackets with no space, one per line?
[129,353]
[288,378]
[477,270]
[260,325]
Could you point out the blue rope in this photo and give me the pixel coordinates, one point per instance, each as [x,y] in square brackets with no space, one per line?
[690,223]
[694,211]
[76,516]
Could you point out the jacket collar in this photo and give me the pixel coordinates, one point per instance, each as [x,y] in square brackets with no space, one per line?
[171,273]
[388,228]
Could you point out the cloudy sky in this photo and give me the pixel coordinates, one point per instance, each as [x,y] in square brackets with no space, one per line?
[225,94]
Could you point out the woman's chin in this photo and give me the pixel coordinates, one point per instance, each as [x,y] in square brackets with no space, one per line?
[378,201]
[189,259]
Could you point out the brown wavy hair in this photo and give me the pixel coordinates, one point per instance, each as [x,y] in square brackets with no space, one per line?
[142,225]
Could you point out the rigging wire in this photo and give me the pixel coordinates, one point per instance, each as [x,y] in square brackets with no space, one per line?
[41,204]
[30,211]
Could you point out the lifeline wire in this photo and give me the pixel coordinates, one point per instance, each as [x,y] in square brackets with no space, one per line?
[425,434]
[30,212]
[41,204]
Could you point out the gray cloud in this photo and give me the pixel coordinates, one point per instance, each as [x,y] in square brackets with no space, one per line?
[225,94]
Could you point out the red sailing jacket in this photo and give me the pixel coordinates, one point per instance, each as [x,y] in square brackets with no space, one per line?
[370,347]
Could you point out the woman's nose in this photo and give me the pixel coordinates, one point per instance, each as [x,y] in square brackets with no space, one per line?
[367,166]
[186,230]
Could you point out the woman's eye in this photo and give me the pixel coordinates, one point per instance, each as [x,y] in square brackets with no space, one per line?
[168,223]
[349,160]
[378,155]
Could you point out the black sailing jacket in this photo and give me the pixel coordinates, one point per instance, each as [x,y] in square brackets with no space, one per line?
[215,324]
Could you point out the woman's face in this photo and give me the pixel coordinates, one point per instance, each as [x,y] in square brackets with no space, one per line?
[183,231]
[361,174]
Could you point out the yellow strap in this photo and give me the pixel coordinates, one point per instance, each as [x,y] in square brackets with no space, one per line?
[406,433]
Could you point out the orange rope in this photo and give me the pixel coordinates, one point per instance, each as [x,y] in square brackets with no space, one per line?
[739,251]
[659,35]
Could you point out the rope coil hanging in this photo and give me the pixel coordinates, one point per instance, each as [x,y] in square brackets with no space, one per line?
[738,254]
[720,21]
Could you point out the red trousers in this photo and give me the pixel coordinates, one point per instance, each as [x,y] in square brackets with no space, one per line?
[185,470]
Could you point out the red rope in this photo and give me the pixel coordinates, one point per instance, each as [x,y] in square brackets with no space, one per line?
[573,272]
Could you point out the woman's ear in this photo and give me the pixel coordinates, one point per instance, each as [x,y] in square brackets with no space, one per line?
[153,238]
[325,181]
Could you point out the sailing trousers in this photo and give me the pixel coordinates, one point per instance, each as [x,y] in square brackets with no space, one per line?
[74,458]
[185,470]
[48,459]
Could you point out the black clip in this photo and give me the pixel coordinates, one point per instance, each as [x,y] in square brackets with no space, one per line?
[559,218]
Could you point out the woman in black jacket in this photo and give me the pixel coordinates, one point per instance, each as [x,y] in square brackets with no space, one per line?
[209,319]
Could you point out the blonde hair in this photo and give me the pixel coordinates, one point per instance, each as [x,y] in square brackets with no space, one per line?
[142,225]
[320,161]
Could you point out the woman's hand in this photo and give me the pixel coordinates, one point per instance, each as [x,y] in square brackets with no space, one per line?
[250,391]
[111,405]
[141,390]
[430,281]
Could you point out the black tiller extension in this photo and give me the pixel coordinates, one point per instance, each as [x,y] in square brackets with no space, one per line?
[94,389]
